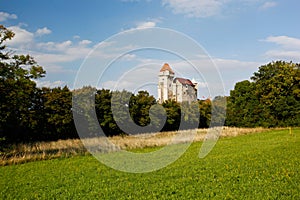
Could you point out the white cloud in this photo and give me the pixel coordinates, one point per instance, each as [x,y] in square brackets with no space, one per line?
[105,44]
[43,31]
[284,41]
[148,24]
[227,64]
[22,38]
[51,55]
[209,8]
[76,37]
[136,78]
[267,5]
[5,16]
[54,46]
[128,57]
[50,84]
[195,8]
[283,55]
[288,48]
[53,68]
[85,42]
[64,45]
[49,59]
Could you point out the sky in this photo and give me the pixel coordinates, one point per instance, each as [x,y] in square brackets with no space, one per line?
[106,43]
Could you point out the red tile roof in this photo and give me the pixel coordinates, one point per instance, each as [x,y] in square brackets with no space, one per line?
[184,81]
[166,67]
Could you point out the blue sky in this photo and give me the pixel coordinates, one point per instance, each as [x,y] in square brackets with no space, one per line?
[238,35]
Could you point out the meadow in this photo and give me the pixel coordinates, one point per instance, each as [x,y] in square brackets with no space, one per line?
[263,165]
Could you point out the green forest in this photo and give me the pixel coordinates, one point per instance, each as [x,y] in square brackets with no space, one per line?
[270,98]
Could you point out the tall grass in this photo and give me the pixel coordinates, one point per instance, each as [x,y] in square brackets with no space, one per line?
[21,153]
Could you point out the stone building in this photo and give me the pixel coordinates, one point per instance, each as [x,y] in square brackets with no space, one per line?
[178,89]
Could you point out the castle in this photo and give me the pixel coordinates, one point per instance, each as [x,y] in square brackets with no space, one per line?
[178,89]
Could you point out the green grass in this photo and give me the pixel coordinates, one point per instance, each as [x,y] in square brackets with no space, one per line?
[259,166]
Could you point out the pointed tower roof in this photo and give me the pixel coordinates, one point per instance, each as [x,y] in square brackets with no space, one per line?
[166,67]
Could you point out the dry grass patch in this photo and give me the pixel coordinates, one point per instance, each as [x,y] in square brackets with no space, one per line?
[164,138]
[21,153]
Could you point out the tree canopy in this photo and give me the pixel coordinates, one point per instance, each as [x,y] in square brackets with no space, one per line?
[19,94]
[272,99]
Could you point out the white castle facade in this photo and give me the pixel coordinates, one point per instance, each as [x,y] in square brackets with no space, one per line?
[178,89]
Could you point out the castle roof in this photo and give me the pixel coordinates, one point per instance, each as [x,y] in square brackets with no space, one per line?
[184,81]
[166,67]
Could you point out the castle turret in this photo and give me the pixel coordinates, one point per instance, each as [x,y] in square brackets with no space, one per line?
[165,79]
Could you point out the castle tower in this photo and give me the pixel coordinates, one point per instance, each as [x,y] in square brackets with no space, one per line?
[165,79]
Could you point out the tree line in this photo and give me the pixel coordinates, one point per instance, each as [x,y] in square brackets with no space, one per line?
[29,113]
[270,99]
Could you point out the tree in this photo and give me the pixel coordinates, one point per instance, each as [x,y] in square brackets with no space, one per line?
[104,114]
[218,111]
[277,86]
[58,114]
[272,99]
[205,113]
[18,92]
[173,111]
[243,105]
[140,105]
[84,114]
[146,113]
[120,102]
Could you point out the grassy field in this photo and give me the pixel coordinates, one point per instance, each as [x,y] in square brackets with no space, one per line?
[255,166]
